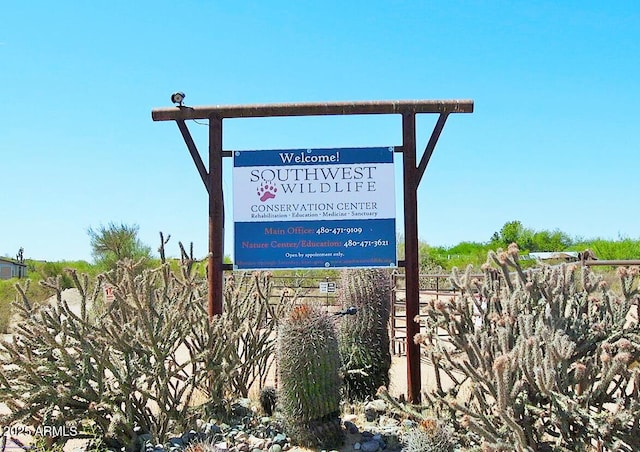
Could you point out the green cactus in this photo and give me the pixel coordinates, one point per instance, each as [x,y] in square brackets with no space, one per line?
[309,364]
[364,338]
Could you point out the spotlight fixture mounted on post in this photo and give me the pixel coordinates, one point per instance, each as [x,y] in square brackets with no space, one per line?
[177,98]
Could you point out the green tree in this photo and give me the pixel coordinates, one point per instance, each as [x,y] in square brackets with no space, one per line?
[511,232]
[530,240]
[550,241]
[114,242]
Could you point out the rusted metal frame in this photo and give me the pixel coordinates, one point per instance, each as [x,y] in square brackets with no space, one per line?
[314,109]
[216,218]
[193,150]
[412,177]
[195,154]
[412,283]
[435,135]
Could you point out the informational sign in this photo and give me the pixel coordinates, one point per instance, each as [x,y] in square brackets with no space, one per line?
[310,208]
[327,287]
[107,290]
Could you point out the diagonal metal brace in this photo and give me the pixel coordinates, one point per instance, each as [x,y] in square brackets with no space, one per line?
[193,150]
[435,135]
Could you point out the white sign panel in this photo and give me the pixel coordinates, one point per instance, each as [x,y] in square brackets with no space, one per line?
[310,208]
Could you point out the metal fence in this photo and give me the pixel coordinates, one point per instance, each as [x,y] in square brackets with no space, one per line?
[316,289]
[432,287]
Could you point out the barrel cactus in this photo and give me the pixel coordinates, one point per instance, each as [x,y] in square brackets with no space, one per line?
[364,338]
[309,365]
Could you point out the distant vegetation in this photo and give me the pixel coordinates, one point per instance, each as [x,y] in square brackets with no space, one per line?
[115,241]
[528,241]
[623,248]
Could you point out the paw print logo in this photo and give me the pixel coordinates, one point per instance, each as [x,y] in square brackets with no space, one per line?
[267,191]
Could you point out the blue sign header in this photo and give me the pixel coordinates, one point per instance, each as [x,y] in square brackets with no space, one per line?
[289,157]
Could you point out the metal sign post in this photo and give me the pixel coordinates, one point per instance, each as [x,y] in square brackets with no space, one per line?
[412,175]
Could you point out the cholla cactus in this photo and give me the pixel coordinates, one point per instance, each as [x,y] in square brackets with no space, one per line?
[144,359]
[62,367]
[254,314]
[364,338]
[547,355]
[309,393]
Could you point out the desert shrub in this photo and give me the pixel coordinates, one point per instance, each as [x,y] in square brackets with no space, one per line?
[9,294]
[7,297]
[53,270]
[623,248]
[40,270]
[430,435]
[140,361]
[36,293]
[538,360]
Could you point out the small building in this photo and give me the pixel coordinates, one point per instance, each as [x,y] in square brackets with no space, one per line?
[10,268]
[557,256]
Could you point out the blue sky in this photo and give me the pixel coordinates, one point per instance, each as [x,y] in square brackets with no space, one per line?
[553,142]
